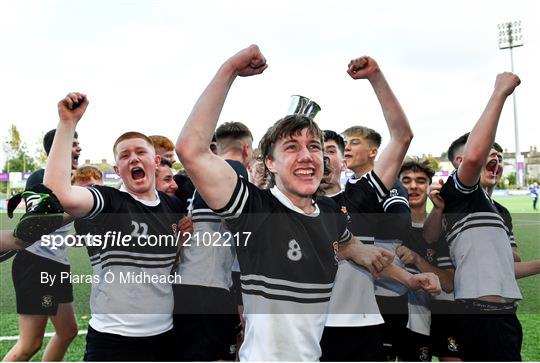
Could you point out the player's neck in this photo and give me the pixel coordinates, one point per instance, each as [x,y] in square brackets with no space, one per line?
[363,169]
[418,214]
[149,195]
[233,155]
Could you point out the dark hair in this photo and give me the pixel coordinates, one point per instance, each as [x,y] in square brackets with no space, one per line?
[48,140]
[232,130]
[165,162]
[372,136]
[332,135]
[460,142]
[286,127]
[456,144]
[416,165]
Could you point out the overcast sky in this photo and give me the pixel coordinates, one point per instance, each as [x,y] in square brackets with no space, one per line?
[143,64]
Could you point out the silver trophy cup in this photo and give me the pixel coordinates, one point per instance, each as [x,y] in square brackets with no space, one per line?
[301,105]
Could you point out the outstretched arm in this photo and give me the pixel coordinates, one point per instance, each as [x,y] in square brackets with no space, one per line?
[214,179]
[527,268]
[389,162]
[483,133]
[409,257]
[426,281]
[77,201]
[374,258]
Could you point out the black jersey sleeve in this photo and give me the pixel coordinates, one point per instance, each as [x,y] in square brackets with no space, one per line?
[366,193]
[397,214]
[507,218]
[455,190]
[247,207]
[106,200]
[329,205]
[443,255]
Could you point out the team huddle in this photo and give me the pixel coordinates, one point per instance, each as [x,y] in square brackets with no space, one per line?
[273,260]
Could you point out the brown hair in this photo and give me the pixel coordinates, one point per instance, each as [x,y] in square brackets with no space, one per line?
[161,142]
[416,165]
[85,173]
[372,136]
[291,125]
[132,135]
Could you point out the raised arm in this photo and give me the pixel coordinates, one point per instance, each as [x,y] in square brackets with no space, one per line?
[483,133]
[389,162]
[77,201]
[433,227]
[214,179]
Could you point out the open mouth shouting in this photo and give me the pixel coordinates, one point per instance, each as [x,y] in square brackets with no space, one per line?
[75,161]
[137,173]
[492,167]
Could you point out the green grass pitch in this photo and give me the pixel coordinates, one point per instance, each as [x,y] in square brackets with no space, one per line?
[526,229]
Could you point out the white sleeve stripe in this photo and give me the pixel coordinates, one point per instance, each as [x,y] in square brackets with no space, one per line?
[460,187]
[98,204]
[238,203]
[378,188]
[396,199]
[345,237]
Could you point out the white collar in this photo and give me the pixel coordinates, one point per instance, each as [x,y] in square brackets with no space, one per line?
[148,203]
[333,195]
[418,224]
[287,203]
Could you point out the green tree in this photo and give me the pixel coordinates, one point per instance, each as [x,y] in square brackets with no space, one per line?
[17,156]
[40,156]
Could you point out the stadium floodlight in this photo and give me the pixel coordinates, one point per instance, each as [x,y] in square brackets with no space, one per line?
[510,37]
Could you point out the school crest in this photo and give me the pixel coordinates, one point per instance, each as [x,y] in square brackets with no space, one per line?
[452,344]
[46,301]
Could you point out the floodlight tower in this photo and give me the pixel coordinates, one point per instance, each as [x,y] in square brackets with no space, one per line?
[510,37]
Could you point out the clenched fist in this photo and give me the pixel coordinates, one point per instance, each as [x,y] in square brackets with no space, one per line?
[363,67]
[248,62]
[506,83]
[72,107]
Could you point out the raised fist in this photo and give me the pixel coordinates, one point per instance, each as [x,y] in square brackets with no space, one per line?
[506,83]
[363,67]
[248,62]
[72,107]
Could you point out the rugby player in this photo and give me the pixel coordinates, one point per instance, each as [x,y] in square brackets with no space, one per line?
[131,321]
[288,261]
[479,242]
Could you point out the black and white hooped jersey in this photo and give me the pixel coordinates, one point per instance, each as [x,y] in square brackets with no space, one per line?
[479,243]
[208,256]
[421,304]
[288,265]
[131,239]
[353,300]
[507,218]
[393,228]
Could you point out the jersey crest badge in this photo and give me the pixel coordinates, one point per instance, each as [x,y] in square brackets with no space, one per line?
[430,253]
[46,301]
[452,344]
[394,193]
